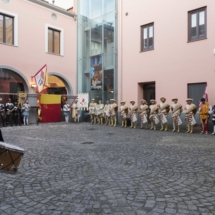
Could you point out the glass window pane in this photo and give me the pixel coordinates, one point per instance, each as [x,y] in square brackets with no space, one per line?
[50,41]
[108,39]
[9,30]
[96,8]
[56,42]
[1,28]
[194,25]
[202,23]
[145,38]
[150,36]
[109,6]
[96,40]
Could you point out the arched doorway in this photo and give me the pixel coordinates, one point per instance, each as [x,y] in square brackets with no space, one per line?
[53,98]
[11,82]
[61,81]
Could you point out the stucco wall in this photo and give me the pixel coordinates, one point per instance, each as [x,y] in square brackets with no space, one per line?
[29,56]
[174,62]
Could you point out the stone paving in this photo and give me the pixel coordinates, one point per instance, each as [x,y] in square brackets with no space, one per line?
[122,171]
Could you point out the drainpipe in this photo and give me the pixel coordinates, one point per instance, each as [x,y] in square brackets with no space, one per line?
[121,36]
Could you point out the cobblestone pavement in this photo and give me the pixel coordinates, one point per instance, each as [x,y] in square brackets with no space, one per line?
[124,171]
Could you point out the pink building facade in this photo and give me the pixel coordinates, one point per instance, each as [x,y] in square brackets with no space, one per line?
[34,33]
[166,48]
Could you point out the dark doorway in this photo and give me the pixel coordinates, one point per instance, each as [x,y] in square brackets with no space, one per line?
[196,91]
[149,91]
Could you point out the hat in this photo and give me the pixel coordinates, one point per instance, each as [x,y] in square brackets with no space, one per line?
[175,99]
[143,101]
[152,100]
[132,101]
[123,102]
[163,98]
[189,99]
[93,99]
[113,100]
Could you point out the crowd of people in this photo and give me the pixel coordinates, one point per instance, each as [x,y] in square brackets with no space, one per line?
[154,113]
[14,114]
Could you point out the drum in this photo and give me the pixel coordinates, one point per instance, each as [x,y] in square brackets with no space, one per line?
[10,157]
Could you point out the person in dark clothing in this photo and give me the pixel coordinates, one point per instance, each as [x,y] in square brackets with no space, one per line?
[17,114]
[1,137]
[213,119]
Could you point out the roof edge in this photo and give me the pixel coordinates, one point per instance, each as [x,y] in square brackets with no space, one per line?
[53,7]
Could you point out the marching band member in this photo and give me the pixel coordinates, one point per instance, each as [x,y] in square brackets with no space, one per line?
[25,112]
[92,111]
[204,115]
[9,112]
[107,113]
[153,114]
[2,115]
[190,115]
[163,113]
[99,112]
[123,113]
[76,111]
[144,108]
[133,114]
[113,112]
[176,109]
[66,111]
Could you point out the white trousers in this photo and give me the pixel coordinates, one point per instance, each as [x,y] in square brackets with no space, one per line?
[67,118]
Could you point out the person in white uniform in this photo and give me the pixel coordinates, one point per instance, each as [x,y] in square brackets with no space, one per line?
[75,111]
[99,112]
[164,109]
[176,109]
[133,114]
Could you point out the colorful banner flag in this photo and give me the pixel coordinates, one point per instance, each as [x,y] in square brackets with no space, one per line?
[41,79]
[205,95]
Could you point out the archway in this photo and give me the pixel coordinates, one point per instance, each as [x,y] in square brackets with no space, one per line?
[12,81]
[64,80]
[58,85]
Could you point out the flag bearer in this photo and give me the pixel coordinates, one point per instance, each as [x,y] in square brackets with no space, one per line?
[204,115]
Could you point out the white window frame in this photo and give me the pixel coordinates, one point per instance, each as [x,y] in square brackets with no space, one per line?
[47,26]
[16,21]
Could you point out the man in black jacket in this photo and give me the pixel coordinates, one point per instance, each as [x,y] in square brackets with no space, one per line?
[1,137]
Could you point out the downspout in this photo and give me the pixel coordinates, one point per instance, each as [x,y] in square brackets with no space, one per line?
[121,36]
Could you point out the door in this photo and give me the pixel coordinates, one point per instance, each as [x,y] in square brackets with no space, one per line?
[196,91]
[149,91]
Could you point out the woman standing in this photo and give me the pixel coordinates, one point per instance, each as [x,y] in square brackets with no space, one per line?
[25,112]
[66,110]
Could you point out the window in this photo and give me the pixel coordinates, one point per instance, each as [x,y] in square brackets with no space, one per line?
[147,37]
[53,41]
[6,29]
[197,25]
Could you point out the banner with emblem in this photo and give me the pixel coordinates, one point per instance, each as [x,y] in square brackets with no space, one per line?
[41,79]
[21,98]
[83,101]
